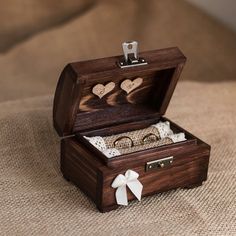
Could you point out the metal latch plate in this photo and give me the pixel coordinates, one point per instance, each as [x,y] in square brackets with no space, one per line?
[159,164]
[131,57]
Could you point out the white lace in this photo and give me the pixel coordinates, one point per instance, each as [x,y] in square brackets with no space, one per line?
[163,129]
[111,152]
[177,137]
[98,142]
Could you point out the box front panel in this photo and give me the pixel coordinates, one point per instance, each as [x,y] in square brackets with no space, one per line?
[186,170]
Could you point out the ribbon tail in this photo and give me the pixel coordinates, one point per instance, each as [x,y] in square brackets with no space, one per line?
[136,188]
[121,195]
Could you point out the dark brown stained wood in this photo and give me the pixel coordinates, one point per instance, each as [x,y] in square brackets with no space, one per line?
[78,167]
[76,108]
[65,98]
[81,166]
[187,170]
[161,58]
[77,111]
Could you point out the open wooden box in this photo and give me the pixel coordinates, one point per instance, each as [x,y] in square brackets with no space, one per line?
[78,112]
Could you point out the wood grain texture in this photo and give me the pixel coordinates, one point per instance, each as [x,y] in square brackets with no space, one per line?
[84,166]
[188,169]
[79,167]
[76,107]
[77,110]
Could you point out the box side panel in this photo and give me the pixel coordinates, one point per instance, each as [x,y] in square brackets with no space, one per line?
[76,166]
[187,170]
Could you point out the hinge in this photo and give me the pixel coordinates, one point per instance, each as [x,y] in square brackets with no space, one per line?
[68,136]
[131,57]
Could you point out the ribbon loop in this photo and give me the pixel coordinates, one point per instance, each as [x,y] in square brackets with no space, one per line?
[131,180]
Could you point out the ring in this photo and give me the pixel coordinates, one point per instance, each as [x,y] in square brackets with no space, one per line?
[118,142]
[148,138]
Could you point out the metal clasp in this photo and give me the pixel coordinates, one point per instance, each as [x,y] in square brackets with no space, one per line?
[131,58]
[159,164]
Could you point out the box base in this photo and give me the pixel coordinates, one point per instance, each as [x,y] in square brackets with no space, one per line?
[81,166]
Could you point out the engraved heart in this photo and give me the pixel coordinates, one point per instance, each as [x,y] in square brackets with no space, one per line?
[101,90]
[128,85]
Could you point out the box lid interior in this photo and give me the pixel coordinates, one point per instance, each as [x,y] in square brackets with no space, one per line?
[76,108]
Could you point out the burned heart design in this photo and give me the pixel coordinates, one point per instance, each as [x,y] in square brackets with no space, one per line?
[101,90]
[128,85]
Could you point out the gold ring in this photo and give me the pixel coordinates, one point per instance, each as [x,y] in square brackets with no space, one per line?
[116,142]
[148,138]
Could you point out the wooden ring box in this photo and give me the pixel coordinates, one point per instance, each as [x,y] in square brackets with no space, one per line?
[78,112]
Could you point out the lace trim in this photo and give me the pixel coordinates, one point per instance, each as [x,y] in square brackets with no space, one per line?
[98,142]
[165,134]
[177,137]
[111,152]
[163,129]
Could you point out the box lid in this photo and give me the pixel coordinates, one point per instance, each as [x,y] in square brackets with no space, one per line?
[108,91]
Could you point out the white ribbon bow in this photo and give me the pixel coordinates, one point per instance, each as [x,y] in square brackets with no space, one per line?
[131,180]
